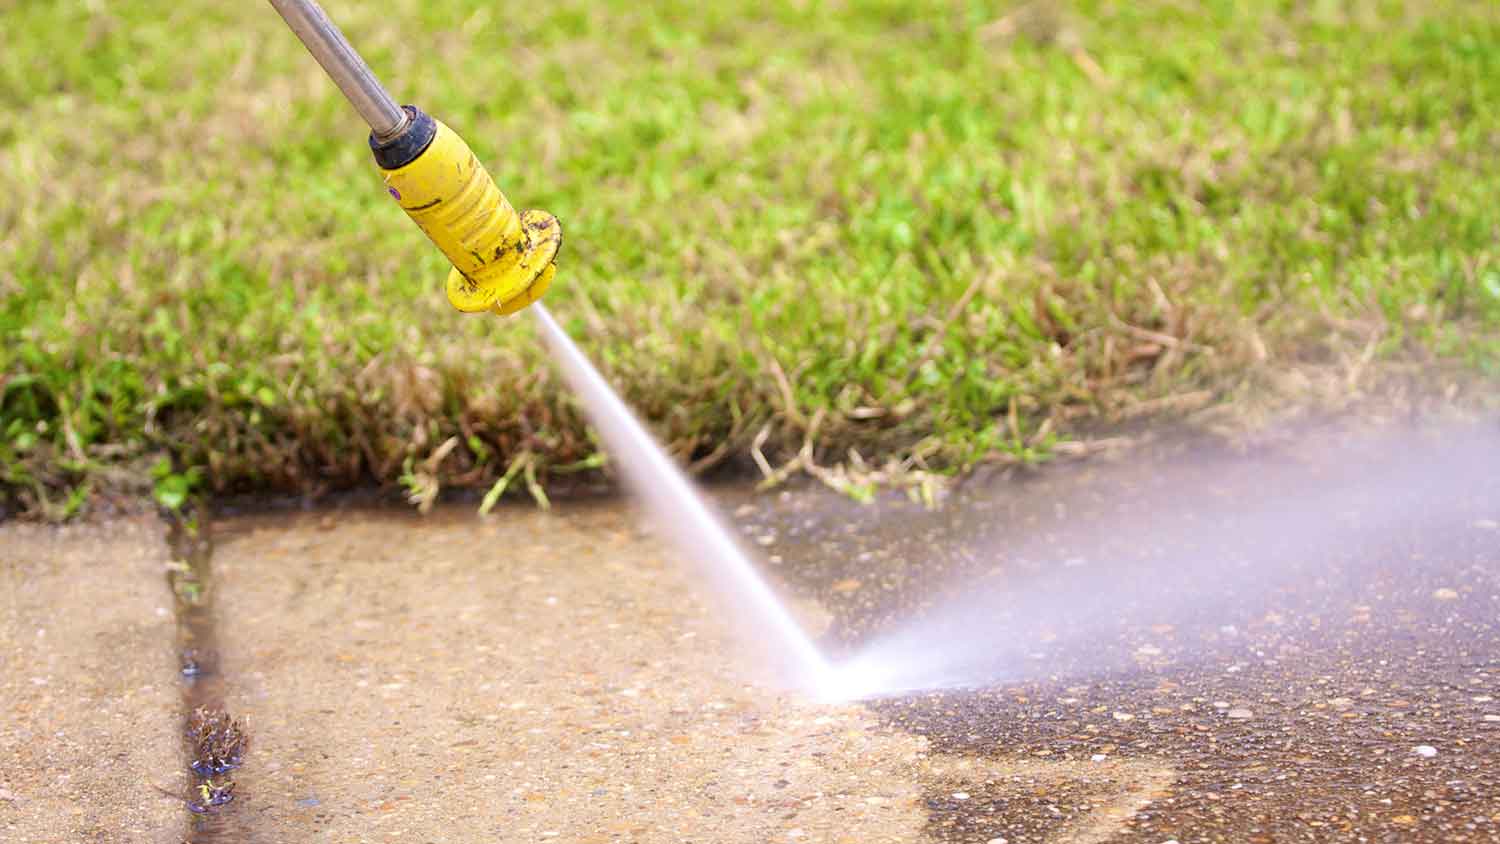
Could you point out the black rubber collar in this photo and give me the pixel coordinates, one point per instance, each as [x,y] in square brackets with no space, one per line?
[410,143]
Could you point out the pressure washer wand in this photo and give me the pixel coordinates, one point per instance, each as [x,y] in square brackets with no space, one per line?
[502,261]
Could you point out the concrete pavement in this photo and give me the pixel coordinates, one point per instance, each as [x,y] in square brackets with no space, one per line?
[89,708]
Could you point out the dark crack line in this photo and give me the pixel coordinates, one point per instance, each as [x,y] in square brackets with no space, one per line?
[214,741]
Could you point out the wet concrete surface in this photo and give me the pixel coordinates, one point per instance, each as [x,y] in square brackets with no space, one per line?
[88,702]
[1305,641]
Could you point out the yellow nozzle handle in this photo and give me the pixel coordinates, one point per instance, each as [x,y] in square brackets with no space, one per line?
[502,261]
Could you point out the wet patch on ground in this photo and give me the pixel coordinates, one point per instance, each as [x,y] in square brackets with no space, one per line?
[1038,800]
[1307,689]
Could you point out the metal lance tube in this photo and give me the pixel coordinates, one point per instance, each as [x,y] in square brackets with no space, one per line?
[348,71]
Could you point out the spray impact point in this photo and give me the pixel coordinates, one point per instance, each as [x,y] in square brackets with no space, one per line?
[502,260]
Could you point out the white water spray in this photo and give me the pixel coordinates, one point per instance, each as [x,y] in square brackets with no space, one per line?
[1193,558]
[1155,567]
[697,530]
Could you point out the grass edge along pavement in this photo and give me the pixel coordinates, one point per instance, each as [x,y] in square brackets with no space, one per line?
[867,242]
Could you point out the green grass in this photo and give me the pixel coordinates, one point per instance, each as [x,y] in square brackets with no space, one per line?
[772,212]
